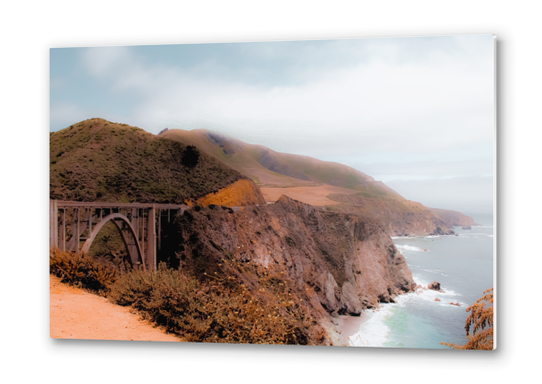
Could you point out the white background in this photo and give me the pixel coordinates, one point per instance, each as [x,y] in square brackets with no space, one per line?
[29,29]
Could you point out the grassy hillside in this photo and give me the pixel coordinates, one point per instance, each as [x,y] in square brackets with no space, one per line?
[273,169]
[97,160]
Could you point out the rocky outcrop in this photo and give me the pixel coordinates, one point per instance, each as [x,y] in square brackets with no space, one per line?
[435,286]
[241,193]
[453,218]
[344,262]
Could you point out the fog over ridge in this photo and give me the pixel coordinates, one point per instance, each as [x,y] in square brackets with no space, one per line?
[416,113]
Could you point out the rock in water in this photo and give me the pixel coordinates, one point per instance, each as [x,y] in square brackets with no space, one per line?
[435,286]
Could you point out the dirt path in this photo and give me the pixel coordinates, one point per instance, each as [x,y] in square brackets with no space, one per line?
[77,314]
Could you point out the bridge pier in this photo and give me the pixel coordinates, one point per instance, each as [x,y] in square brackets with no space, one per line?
[53,224]
[151,239]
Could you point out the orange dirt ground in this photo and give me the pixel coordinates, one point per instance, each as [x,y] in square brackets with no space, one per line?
[308,195]
[77,314]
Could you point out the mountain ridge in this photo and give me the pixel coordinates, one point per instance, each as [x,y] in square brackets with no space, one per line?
[275,172]
[271,168]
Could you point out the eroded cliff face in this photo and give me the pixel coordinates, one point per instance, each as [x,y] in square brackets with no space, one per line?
[240,193]
[399,217]
[343,262]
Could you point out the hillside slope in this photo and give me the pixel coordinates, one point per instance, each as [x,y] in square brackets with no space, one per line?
[96,160]
[269,168]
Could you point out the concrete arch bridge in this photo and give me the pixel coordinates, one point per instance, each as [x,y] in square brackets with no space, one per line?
[74,225]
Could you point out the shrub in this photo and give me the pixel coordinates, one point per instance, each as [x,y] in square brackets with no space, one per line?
[479,324]
[190,157]
[81,270]
[219,308]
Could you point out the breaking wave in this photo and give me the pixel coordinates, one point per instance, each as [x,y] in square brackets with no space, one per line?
[403,247]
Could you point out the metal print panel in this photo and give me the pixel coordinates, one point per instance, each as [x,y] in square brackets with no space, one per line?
[330,193]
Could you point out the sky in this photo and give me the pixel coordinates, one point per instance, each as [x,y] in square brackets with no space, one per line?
[415,112]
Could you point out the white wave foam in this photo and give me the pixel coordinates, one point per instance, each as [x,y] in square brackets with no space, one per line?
[428,295]
[429,292]
[404,247]
[373,332]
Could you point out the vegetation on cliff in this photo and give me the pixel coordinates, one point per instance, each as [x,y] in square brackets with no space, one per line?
[241,193]
[97,160]
[479,324]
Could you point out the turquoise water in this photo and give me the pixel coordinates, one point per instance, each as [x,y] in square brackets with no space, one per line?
[463,265]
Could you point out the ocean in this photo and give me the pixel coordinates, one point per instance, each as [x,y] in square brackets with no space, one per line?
[463,265]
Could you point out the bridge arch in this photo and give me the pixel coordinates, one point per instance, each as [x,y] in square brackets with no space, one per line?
[134,252]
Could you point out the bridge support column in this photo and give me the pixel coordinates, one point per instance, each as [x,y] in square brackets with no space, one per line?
[62,239]
[53,224]
[150,254]
[132,247]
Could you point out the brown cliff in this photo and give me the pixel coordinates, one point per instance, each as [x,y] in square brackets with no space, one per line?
[400,217]
[453,218]
[342,262]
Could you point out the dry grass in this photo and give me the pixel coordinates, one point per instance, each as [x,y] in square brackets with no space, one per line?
[218,309]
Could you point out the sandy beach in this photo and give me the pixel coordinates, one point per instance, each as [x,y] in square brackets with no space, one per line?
[349,325]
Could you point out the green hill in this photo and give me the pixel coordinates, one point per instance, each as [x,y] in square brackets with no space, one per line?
[97,160]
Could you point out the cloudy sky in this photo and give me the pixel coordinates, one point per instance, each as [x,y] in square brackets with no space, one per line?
[416,113]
